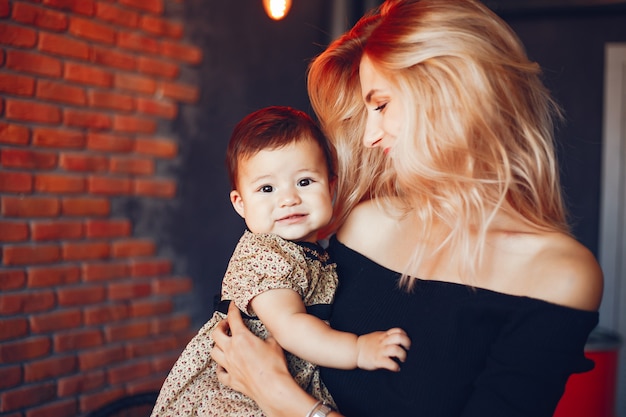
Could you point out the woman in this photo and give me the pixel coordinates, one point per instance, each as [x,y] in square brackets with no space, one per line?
[451,224]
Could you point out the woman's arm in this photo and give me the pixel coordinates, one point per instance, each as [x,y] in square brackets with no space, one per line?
[308,337]
[258,369]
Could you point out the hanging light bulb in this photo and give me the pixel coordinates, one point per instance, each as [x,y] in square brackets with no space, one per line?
[277,9]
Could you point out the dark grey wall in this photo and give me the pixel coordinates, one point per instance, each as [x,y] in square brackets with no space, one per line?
[249,62]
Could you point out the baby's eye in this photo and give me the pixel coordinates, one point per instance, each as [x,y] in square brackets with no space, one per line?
[304,182]
[381,107]
[266,189]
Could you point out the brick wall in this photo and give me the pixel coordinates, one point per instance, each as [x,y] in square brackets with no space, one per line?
[86,306]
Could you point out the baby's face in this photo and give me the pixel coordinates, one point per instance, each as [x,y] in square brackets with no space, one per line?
[285,191]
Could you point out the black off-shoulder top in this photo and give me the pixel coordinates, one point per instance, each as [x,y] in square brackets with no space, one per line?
[474,353]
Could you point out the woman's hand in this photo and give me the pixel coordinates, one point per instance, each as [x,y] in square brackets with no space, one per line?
[257,368]
[245,362]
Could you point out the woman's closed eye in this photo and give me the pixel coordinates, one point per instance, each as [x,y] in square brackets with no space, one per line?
[380,107]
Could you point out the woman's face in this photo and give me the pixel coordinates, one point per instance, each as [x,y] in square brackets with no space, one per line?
[384,112]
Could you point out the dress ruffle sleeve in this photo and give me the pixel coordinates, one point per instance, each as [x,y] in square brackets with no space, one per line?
[263,262]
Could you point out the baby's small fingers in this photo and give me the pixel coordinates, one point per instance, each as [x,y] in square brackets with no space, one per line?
[398,338]
[395,351]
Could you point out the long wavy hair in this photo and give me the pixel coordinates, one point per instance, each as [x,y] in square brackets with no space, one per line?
[478,133]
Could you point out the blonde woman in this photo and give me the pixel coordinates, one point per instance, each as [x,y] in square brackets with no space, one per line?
[450,224]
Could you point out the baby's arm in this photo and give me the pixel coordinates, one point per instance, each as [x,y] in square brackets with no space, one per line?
[284,314]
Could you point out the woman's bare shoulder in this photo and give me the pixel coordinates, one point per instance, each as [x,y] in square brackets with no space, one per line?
[565,272]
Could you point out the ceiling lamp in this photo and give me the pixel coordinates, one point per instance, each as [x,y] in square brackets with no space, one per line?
[277,9]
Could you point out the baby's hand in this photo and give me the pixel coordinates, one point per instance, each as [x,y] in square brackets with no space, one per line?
[376,350]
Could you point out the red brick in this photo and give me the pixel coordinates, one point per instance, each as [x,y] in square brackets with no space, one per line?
[179,91]
[137,42]
[109,100]
[30,207]
[87,74]
[133,247]
[152,6]
[171,324]
[61,92]
[117,15]
[104,271]
[151,383]
[16,182]
[107,228]
[151,267]
[52,276]
[56,320]
[39,16]
[109,143]
[86,251]
[63,45]
[155,188]
[58,138]
[56,230]
[27,396]
[83,162]
[135,83]
[92,401]
[109,185]
[30,111]
[126,331]
[164,363]
[13,231]
[152,346]
[13,134]
[132,166]
[150,308]
[24,349]
[161,148]
[158,26]
[128,290]
[181,52]
[4,8]
[78,296]
[12,279]
[30,254]
[155,107]
[10,376]
[27,159]
[17,36]
[113,58]
[105,314]
[54,183]
[84,7]
[12,328]
[83,382]
[77,340]
[17,84]
[133,124]
[26,302]
[100,357]
[157,67]
[62,408]
[86,119]
[90,30]
[129,372]
[172,286]
[85,206]
[34,63]
[49,368]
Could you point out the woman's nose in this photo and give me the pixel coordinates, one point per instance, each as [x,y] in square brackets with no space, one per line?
[373,133]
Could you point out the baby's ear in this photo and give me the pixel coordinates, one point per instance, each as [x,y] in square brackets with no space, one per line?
[237,202]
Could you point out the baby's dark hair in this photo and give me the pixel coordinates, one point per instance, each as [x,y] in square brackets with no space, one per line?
[271,128]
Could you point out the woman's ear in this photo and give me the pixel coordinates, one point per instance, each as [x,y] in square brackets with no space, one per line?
[237,202]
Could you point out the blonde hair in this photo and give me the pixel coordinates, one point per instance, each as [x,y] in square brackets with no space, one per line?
[479,122]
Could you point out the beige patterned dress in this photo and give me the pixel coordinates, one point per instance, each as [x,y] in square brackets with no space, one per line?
[259,263]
